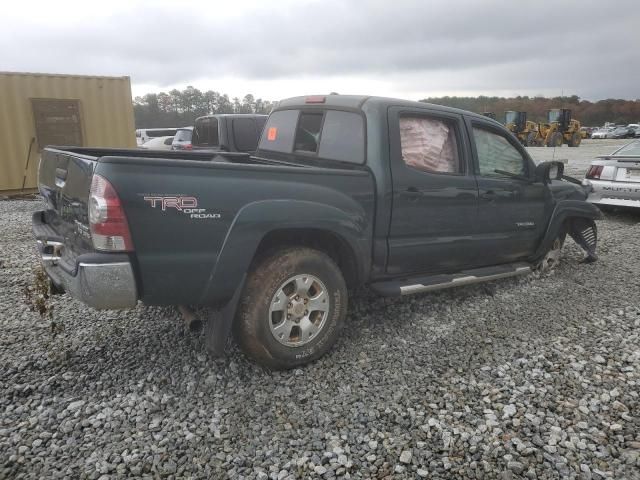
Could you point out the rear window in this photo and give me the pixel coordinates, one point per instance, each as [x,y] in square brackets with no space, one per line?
[342,137]
[160,133]
[205,133]
[632,149]
[278,133]
[183,135]
[245,134]
[308,132]
[332,134]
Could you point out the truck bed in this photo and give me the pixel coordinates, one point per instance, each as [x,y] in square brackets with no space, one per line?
[139,153]
[184,208]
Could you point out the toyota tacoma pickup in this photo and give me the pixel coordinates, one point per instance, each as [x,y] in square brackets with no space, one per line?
[342,191]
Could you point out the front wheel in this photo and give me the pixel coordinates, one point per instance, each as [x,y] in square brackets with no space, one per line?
[555,140]
[552,258]
[292,309]
[575,140]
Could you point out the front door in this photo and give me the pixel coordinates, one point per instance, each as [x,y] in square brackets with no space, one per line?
[435,193]
[512,211]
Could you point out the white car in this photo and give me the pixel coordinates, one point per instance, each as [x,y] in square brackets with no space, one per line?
[158,143]
[615,178]
[143,135]
[604,132]
[636,128]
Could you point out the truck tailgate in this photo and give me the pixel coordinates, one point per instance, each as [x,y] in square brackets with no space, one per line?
[64,182]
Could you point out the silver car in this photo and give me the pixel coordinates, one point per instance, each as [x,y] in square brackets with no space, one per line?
[615,178]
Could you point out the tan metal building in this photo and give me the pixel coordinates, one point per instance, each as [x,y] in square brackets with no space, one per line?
[39,109]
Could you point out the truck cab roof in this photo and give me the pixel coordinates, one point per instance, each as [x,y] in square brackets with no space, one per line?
[232,115]
[359,102]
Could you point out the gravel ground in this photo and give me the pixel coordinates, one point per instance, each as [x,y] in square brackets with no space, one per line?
[535,377]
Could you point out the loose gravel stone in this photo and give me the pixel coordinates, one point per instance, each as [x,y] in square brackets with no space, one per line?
[405,456]
[534,377]
[320,470]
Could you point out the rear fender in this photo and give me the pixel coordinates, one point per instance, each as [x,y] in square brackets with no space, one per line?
[257,219]
[564,210]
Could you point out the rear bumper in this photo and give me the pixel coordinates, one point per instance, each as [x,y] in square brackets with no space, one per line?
[109,286]
[102,281]
[620,194]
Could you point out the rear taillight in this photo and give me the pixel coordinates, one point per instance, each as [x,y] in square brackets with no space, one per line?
[594,171]
[188,146]
[109,228]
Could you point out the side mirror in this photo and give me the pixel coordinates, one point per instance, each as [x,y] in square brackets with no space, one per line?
[547,171]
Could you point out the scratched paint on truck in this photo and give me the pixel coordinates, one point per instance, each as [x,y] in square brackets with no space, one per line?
[106,118]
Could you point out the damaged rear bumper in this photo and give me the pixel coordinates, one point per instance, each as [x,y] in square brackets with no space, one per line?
[100,285]
[101,280]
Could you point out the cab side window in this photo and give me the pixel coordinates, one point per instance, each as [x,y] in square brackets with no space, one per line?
[495,152]
[429,145]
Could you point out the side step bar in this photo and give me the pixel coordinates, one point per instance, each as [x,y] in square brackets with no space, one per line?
[395,288]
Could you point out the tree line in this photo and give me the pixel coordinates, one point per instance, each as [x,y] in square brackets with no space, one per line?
[181,107]
[591,114]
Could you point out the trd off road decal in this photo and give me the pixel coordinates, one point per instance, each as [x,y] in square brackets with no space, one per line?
[180,203]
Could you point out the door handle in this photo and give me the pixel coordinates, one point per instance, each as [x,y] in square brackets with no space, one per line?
[489,195]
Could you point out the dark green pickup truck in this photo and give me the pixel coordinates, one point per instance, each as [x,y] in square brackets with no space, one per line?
[402,196]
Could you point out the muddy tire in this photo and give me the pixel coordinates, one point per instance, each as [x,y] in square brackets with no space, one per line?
[532,139]
[555,140]
[292,308]
[575,140]
[552,258]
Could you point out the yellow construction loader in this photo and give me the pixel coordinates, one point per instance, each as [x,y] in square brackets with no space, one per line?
[525,130]
[560,128]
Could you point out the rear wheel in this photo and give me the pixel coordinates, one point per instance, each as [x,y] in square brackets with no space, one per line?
[576,138]
[292,309]
[532,139]
[555,140]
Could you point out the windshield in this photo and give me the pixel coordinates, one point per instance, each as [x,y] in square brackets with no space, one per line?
[183,135]
[554,116]
[510,117]
[632,149]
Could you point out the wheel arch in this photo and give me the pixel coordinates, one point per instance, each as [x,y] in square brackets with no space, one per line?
[259,228]
[564,211]
[326,241]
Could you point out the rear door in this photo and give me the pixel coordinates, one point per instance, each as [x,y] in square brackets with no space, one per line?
[512,212]
[435,195]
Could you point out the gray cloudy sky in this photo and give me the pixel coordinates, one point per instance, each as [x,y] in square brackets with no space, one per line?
[275,49]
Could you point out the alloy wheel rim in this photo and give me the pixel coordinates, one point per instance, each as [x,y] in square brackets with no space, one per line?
[552,258]
[298,310]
